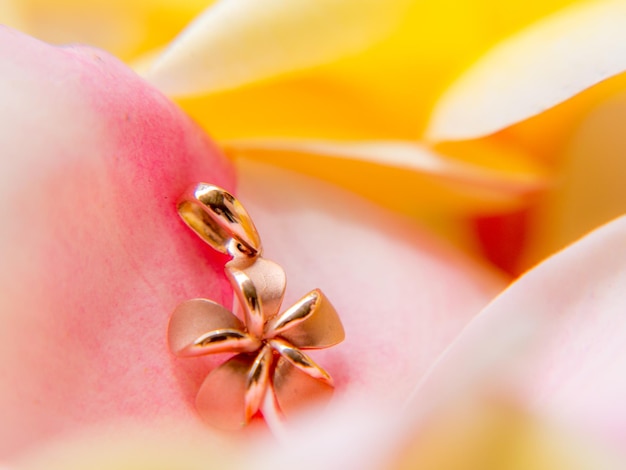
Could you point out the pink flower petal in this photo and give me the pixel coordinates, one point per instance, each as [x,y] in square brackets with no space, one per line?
[558,335]
[390,284]
[94,256]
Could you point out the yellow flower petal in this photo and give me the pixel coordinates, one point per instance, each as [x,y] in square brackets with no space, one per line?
[305,107]
[10,14]
[406,176]
[386,92]
[592,175]
[124,27]
[237,42]
[544,65]
[546,134]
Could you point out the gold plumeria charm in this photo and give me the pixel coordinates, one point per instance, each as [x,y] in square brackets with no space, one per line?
[268,345]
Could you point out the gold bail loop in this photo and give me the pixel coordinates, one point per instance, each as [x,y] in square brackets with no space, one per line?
[220,220]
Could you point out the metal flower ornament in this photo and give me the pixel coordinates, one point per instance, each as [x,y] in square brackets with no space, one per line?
[267,344]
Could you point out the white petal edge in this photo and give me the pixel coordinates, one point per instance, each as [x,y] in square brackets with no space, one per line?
[557,337]
[542,66]
[238,42]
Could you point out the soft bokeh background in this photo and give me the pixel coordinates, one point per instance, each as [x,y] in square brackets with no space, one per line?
[381,98]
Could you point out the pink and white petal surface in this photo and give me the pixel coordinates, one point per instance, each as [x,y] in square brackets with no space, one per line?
[94,257]
[556,339]
[389,282]
[391,285]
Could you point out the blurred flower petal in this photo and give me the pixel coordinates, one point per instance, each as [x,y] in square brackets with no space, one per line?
[307,106]
[556,337]
[406,176]
[94,256]
[491,435]
[388,282]
[591,188]
[237,42]
[122,446]
[540,67]
[124,28]
[385,92]
[10,14]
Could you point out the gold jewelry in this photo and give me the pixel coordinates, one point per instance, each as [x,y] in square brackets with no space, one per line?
[268,344]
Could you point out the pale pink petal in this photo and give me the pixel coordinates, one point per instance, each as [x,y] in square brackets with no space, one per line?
[534,70]
[94,255]
[238,42]
[389,282]
[557,338]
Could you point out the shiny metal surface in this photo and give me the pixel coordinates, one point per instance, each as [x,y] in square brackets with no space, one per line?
[194,328]
[268,278]
[249,299]
[300,360]
[269,344]
[220,220]
[311,323]
[225,340]
[257,381]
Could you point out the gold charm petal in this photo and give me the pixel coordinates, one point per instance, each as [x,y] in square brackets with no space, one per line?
[219,341]
[260,288]
[258,380]
[222,395]
[248,299]
[220,220]
[300,360]
[311,323]
[295,389]
[194,319]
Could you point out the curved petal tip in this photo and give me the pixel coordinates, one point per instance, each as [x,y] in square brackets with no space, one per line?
[542,66]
